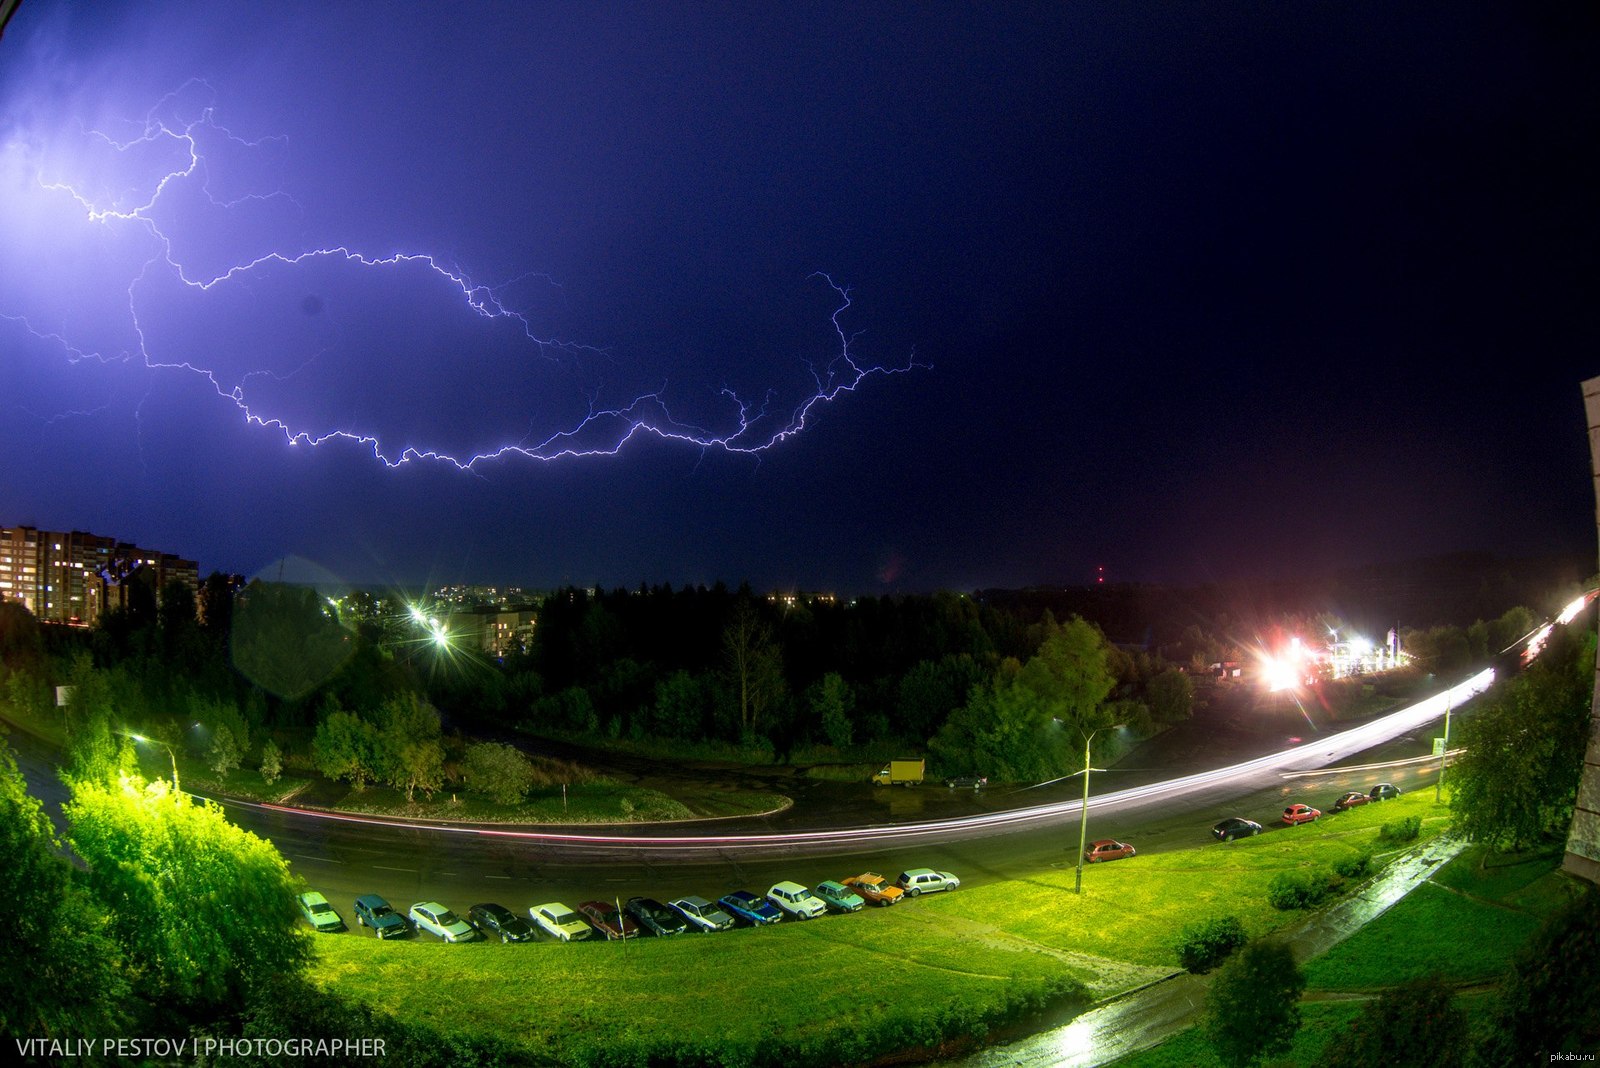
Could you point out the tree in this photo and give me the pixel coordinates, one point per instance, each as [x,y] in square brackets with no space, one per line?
[344,747]
[752,664]
[1413,1026]
[832,706]
[202,909]
[1547,1004]
[223,755]
[1170,696]
[408,754]
[1253,1009]
[680,706]
[61,974]
[1517,780]
[502,772]
[271,762]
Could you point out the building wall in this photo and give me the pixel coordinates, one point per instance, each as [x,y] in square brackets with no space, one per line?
[75,577]
[1583,842]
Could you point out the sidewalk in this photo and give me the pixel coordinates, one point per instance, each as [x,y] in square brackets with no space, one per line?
[1147,1016]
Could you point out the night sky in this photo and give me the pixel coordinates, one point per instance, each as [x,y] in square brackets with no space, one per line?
[1189,292]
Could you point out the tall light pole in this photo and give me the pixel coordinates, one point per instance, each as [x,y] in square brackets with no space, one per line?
[1444,750]
[1083,815]
[156,741]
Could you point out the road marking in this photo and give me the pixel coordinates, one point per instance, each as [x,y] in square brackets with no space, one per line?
[506,877]
[380,867]
[320,860]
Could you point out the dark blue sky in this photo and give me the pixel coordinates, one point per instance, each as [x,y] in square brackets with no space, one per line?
[1187,293]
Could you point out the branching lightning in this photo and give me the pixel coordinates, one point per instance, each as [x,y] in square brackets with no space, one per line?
[604,429]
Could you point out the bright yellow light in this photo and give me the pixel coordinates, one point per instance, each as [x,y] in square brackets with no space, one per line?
[1279,676]
[1569,613]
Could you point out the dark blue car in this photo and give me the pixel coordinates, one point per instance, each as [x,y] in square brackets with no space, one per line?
[756,911]
[374,912]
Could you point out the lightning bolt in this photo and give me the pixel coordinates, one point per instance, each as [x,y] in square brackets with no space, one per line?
[146,208]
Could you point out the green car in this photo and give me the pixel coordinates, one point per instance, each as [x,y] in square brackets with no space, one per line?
[838,896]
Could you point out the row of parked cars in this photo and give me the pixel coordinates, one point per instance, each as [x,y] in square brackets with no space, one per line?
[1239,827]
[784,900]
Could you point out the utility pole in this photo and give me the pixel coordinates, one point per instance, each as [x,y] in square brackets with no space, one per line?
[1083,812]
[1444,750]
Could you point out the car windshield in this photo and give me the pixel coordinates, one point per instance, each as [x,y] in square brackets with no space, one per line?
[320,907]
[561,918]
[447,918]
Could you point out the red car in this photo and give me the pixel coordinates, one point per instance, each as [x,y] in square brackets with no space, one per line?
[1350,800]
[1107,849]
[1300,814]
[608,921]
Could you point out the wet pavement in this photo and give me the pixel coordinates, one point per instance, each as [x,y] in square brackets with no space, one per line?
[1151,1014]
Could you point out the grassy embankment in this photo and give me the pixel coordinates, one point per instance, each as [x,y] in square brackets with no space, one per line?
[588,798]
[1464,926]
[847,988]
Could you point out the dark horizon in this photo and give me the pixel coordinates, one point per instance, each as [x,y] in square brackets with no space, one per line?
[1185,295]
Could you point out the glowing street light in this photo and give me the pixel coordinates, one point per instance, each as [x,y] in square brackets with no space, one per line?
[156,741]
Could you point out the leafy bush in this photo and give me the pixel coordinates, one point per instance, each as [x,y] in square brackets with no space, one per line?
[1302,889]
[1203,946]
[1401,830]
[1354,867]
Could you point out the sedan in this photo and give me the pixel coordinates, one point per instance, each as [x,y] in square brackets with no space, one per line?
[756,911]
[1384,791]
[1107,849]
[701,914]
[499,921]
[838,896]
[608,921]
[1235,827]
[652,914]
[1298,814]
[559,922]
[969,782]
[319,913]
[874,887]
[434,918]
[1350,800]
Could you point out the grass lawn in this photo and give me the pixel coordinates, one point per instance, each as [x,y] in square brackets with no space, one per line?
[848,987]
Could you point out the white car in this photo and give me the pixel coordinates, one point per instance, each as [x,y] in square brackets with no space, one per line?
[796,900]
[559,922]
[701,914]
[318,913]
[435,918]
[926,881]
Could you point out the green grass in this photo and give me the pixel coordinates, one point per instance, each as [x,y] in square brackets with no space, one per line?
[1320,1024]
[1466,933]
[884,979]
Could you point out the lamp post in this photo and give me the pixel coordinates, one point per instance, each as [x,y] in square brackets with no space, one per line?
[155,741]
[1083,813]
[1444,750]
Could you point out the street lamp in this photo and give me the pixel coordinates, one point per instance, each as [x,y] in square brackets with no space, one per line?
[1444,750]
[1083,815]
[156,741]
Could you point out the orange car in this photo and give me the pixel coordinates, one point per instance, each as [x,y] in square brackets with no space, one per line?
[875,887]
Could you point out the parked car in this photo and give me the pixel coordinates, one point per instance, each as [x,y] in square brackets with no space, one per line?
[656,917]
[318,913]
[838,896]
[374,912]
[1297,814]
[796,900]
[500,922]
[970,782]
[753,910]
[1107,849]
[1235,827]
[701,914]
[608,921]
[919,881]
[1384,791]
[874,887]
[434,918]
[559,922]
[1350,800]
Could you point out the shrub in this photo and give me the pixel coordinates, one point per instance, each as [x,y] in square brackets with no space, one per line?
[1203,946]
[1353,867]
[1401,830]
[1302,889]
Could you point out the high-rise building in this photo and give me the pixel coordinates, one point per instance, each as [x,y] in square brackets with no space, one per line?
[74,577]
